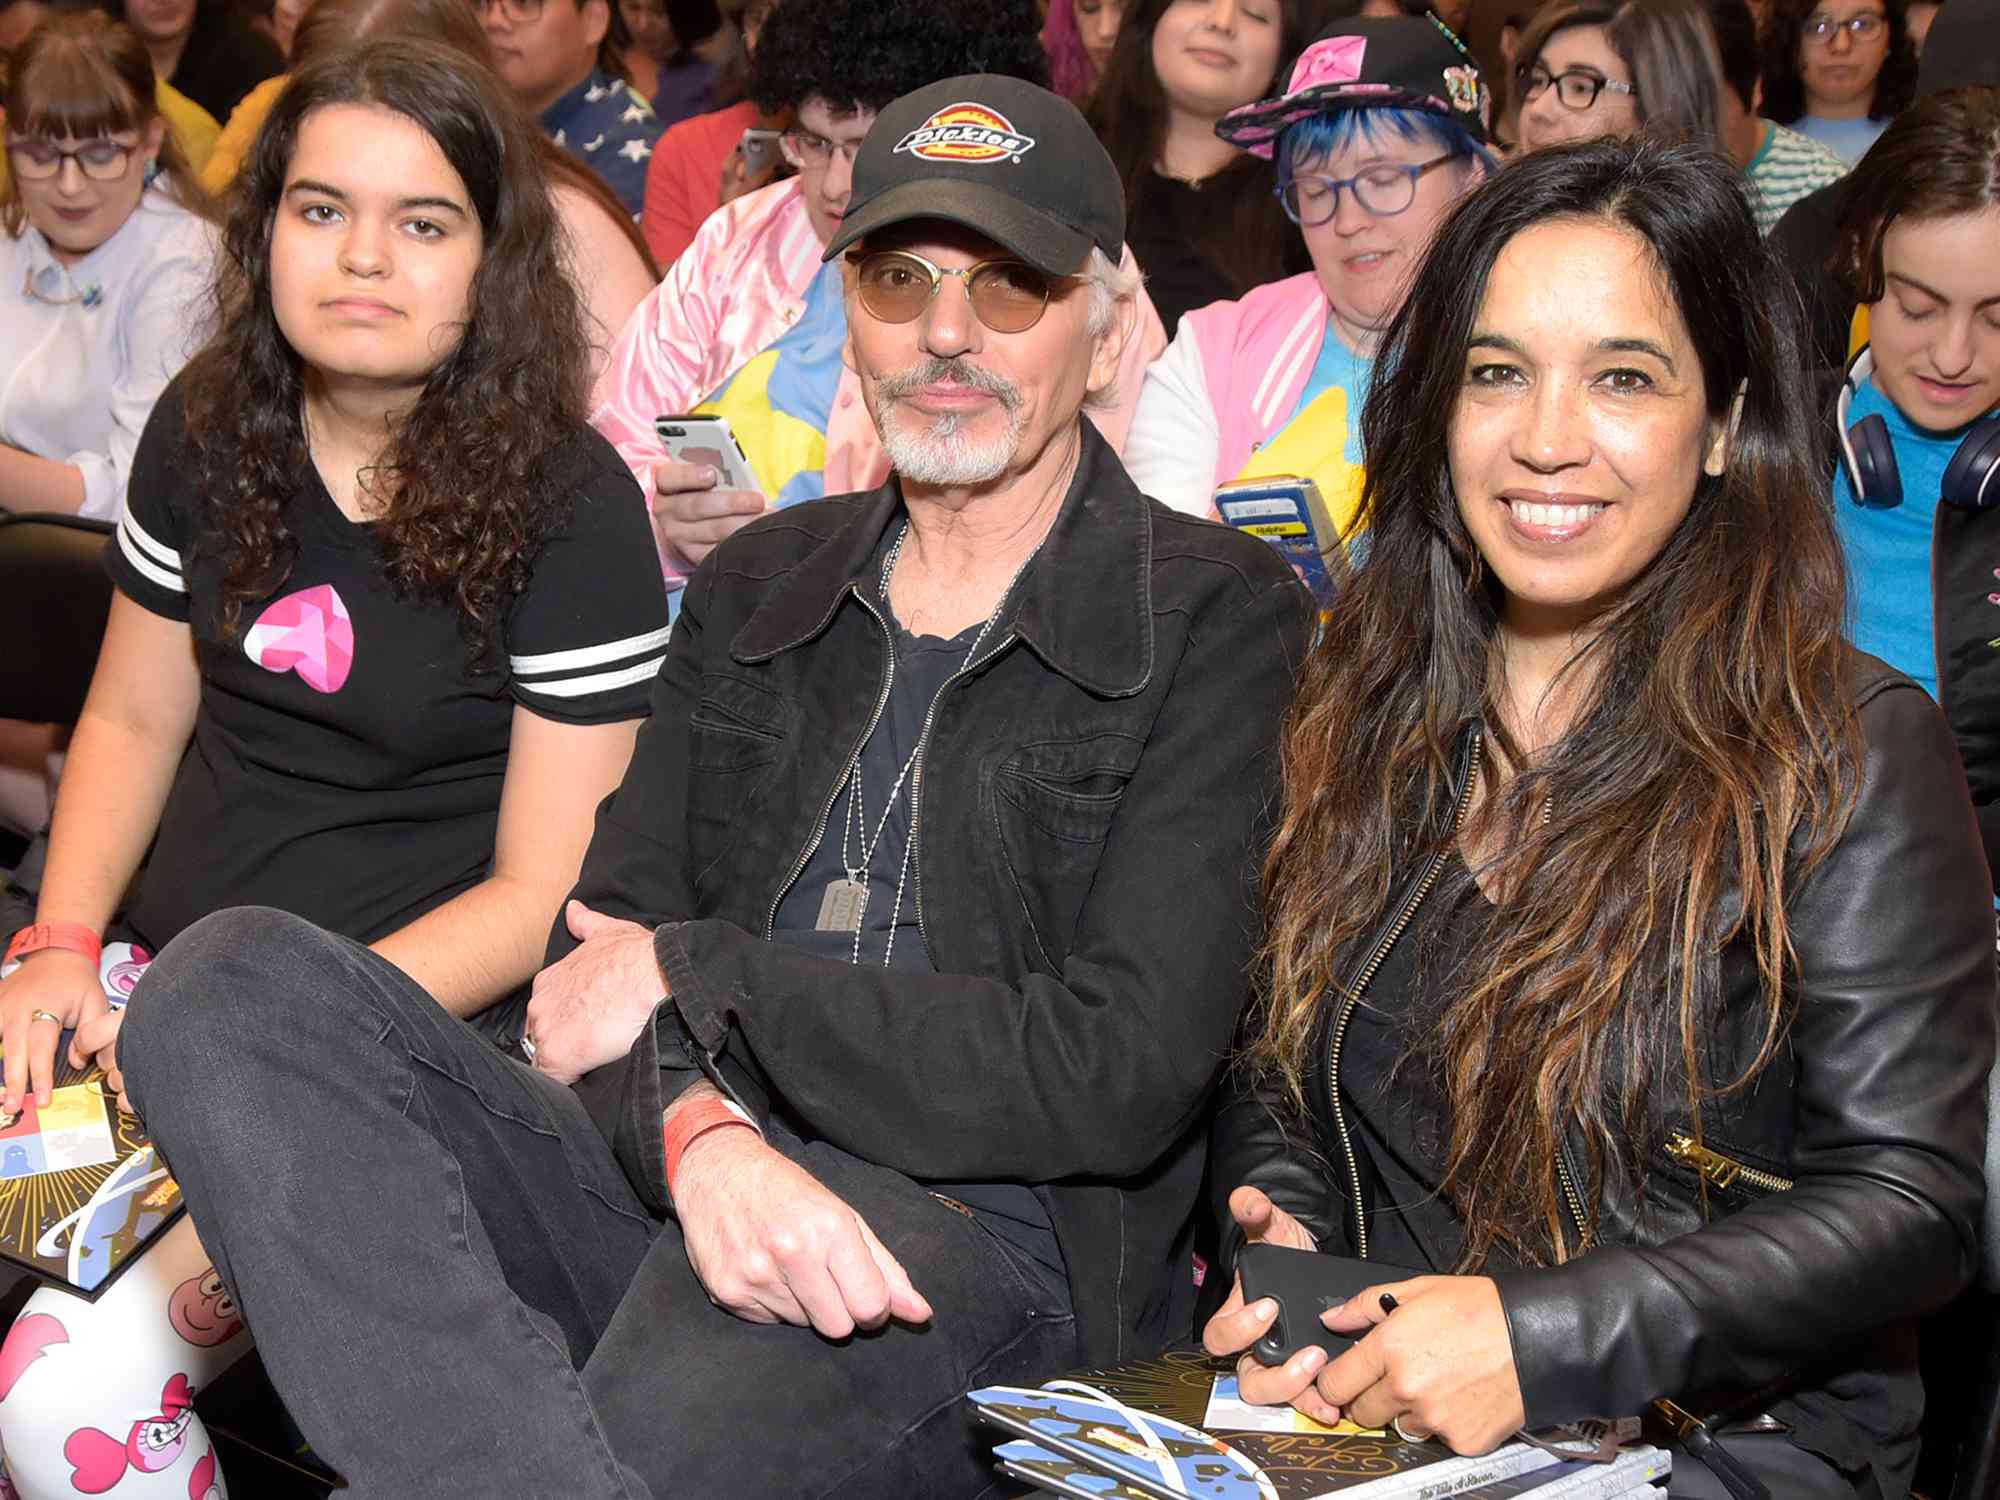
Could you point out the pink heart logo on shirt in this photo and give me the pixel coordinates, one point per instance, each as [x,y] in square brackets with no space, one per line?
[308,633]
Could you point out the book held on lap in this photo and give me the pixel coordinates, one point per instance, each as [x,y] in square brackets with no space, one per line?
[1133,1432]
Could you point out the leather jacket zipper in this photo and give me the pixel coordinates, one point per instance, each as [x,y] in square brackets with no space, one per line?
[917,786]
[1722,1171]
[1338,1032]
[826,812]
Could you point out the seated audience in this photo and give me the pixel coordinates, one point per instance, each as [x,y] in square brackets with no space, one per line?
[1199,211]
[1381,131]
[965,1072]
[1628,990]
[193,129]
[698,63]
[649,40]
[1782,165]
[1839,70]
[698,166]
[1588,70]
[1964,57]
[107,260]
[385,618]
[750,326]
[1078,36]
[205,48]
[1920,249]
[555,56]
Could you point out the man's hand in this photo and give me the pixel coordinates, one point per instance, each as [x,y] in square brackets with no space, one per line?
[772,1245]
[589,1008]
[736,178]
[1443,1362]
[1234,1328]
[691,516]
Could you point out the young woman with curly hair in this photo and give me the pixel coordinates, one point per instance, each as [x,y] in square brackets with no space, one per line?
[1838,70]
[386,618]
[1628,993]
[1199,213]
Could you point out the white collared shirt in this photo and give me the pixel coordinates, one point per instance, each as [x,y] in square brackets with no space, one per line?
[85,350]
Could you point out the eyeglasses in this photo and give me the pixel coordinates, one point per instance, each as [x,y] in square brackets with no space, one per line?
[1310,199]
[1863,28]
[101,160]
[1576,88]
[1008,296]
[519,12]
[805,149]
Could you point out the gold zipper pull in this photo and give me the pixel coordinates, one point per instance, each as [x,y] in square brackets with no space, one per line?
[1722,1171]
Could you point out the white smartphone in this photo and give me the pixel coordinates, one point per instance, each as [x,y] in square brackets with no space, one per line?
[708,440]
[759,148]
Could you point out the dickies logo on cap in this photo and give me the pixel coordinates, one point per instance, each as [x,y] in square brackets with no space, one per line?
[966,132]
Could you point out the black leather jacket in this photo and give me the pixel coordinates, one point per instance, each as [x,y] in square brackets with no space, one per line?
[1088,814]
[1859,1205]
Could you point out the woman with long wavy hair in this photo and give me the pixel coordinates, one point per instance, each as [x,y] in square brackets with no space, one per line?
[387,612]
[1628,991]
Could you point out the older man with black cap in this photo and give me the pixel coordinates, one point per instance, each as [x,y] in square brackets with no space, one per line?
[897,978]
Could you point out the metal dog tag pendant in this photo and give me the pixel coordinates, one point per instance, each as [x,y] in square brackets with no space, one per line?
[840,907]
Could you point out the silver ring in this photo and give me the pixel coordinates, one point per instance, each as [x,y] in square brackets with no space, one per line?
[528,1047]
[43,1015]
[1405,1434]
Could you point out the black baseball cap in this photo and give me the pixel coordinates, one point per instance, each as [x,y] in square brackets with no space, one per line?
[1394,62]
[997,155]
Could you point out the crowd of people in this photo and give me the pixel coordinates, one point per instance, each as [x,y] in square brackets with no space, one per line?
[625,945]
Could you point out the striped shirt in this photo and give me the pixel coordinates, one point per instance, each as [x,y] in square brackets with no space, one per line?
[1786,168]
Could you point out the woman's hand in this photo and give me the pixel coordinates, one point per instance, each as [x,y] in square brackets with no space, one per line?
[52,982]
[588,1008]
[96,1041]
[737,178]
[1234,1328]
[1442,1362]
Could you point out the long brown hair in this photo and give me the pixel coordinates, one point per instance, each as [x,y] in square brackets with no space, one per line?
[1244,236]
[466,482]
[1938,159]
[1712,760]
[80,76]
[1668,46]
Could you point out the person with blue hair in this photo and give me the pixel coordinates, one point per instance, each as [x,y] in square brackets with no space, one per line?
[1382,129]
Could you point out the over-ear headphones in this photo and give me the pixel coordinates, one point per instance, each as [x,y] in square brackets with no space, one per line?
[1969,478]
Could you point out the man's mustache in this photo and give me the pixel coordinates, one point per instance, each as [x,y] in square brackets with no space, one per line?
[935,371]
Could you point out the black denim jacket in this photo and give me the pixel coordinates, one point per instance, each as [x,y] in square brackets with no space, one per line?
[1088,823]
[1756,1294]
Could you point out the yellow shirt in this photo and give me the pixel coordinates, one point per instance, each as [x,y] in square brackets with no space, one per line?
[240,134]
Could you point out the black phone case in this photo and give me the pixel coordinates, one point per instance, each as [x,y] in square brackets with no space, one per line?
[1305,1284]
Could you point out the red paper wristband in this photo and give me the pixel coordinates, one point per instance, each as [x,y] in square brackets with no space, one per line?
[71,935]
[683,1124]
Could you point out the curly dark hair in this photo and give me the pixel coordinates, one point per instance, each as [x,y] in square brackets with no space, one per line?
[1784,80]
[861,54]
[465,485]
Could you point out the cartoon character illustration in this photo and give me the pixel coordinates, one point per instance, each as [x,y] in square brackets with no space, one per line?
[203,1312]
[26,1341]
[204,1483]
[119,969]
[154,1443]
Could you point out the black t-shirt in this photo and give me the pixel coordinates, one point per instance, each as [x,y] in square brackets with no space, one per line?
[1178,279]
[923,665]
[224,59]
[1396,1105]
[347,758]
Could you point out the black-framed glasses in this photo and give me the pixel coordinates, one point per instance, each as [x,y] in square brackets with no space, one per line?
[520,12]
[1820,31]
[1310,199]
[1576,88]
[805,148]
[102,160]
[1008,296]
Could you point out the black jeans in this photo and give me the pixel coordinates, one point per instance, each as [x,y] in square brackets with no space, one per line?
[457,1292]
